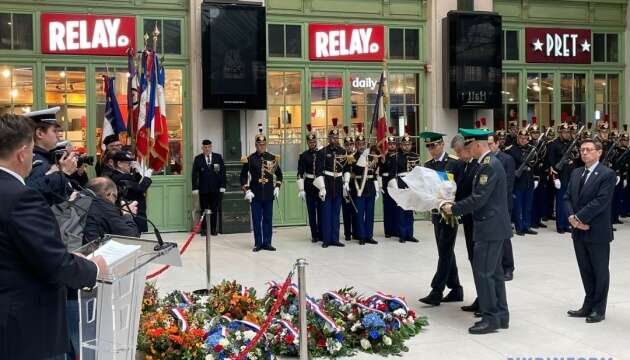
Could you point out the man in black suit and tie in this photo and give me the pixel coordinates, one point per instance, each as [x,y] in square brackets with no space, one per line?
[588,204]
[208,180]
[35,267]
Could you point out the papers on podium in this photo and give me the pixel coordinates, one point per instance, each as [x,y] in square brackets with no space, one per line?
[114,251]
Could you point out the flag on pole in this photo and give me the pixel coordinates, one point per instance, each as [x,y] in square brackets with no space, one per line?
[159,124]
[113,123]
[381,122]
[132,97]
[146,105]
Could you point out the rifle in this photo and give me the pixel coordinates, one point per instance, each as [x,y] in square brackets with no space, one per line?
[609,152]
[565,157]
[532,154]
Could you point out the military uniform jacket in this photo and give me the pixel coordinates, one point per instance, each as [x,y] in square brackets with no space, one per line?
[606,145]
[487,203]
[556,151]
[49,185]
[405,163]
[357,178]
[508,165]
[465,183]
[519,154]
[261,182]
[332,162]
[388,168]
[541,168]
[306,171]
[132,187]
[208,179]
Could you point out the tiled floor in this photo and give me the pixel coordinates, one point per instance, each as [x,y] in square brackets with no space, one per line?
[546,284]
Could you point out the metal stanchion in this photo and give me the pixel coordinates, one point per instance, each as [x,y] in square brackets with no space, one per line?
[206,291]
[301,266]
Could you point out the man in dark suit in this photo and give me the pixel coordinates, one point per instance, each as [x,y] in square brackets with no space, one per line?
[488,204]
[132,186]
[208,179]
[35,266]
[588,204]
[104,217]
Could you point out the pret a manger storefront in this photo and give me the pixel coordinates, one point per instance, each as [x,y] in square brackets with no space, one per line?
[57,54]
[324,64]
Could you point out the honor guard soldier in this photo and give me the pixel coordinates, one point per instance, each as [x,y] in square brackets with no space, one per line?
[523,184]
[348,208]
[540,171]
[332,179]
[603,136]
[407,160]
[257,181]
[364,187]
[624,160]
[132,185]
[560,177]
[510,138]
[446,274]
[388,172]
[306,190]
[612,161]
[488,204]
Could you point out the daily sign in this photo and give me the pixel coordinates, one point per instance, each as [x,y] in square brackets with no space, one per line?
[332,42]
[78,34]
[569,46]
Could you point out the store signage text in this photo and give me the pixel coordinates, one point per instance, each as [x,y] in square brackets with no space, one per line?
[367,83]
[544,45]
[329,42]
[78,34]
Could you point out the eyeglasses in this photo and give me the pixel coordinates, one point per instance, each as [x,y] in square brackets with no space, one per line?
[431,146]
[587,150]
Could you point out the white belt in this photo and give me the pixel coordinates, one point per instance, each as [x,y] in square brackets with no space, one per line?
[333,174]
[309,176]
[385,174]
[361,177]
[402,174]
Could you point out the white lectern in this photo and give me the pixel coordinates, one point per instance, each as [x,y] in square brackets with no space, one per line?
[110,312]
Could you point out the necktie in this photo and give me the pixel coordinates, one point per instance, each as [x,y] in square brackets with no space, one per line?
[583,179]
[208,160]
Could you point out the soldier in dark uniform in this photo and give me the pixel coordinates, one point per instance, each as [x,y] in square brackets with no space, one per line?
[540,173]
[510,138]
[614,153]
[407,160]
[112,145]
[603,136]
[364,187]
[257,181]
[351,196]
[209,180]
[523,185]
[488,204]
[446,274]
[332,179]
[132,186]
[50,175]
[348,208]
[388,172]
[306,190]
[557,149]
[624,160]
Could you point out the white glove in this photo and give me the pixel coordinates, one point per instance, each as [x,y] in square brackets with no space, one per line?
[148,173]
[392,184]
[195,192]
[346,189]
[300,185]
[625,183]
[222,190]
[249,195]
[557,184]
[618,180]
[136,166]
[302,195]
[380,185]
[377,186]
[276,192]
[322,194]
[535,184]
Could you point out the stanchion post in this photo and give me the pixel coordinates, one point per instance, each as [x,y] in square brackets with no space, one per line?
[208,250]
[301,266]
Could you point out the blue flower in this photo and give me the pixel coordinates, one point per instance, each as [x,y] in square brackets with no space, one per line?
[234,326]
[395,325]
[339,337]
[214,339]
[394,305]
[372,321]
[374,335]
[293,309]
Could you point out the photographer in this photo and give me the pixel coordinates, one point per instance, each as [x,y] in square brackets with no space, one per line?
[103,216]
[104,166]
[49,176]
[132,186]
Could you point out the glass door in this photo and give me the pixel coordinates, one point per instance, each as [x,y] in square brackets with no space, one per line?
[606,91]
[65,87]
[326,101]
[540,90]
[573,96]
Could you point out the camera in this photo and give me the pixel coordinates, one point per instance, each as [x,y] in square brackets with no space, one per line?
[60,150]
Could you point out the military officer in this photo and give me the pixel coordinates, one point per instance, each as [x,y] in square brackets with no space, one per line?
[364,187]
[488,204]
[133,182]
[603,136]
[306,190]
[539,171]
[624,159]
[523,184]
[332,179]
[388,171]
[407,160]
[614,154]
[257,180]
[510,138]
[348,208]
[557,149]
[446,274]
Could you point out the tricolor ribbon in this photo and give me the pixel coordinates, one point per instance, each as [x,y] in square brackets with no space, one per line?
[395,299]
[178,314]
[289,326]
[185,299]
[336,297]
[322,314]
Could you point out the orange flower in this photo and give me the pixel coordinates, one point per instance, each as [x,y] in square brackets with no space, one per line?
[176,339]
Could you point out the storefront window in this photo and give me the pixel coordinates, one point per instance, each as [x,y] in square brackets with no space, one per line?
[120,89]
[404,44]
[364,89]
[607,97]
[510,44]
[404,102]
[170,39]
[510,95]
[540,87]
[65,87]
[573,95]
[16,89]
[173,88]
[285,40]
[284,111]
[16,31]
[605,47]
[326,100]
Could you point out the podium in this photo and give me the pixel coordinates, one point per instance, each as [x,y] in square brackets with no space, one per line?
[110,312]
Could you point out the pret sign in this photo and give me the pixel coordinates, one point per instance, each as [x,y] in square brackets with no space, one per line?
[548,45]
[79,34]
[331,42]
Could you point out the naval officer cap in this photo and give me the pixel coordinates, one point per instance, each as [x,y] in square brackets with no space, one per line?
[471,135]
[430,137]
[45,116]
[123,156]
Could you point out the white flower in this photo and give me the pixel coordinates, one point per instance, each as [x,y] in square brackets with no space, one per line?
[239,335]
[287,317]
[224,342]
[331,346]
[386,340]
[355,326]
[209,357]
[400,312]
[249,334]
[351,316]
[252,356]
[365,344]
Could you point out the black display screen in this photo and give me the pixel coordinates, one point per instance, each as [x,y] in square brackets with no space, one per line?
[234,56]
[473,56]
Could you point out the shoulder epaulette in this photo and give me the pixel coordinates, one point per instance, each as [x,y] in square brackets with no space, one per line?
[486,160]
[244,159]
[351,159]
[37,163]
[508,147]
[454,157]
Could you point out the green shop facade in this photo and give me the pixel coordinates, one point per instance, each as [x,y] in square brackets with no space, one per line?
[33,76]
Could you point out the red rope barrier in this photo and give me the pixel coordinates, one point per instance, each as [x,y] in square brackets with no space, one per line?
[192,235]
[268,320]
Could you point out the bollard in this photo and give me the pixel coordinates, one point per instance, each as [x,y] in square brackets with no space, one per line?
[301,266]
[208,252]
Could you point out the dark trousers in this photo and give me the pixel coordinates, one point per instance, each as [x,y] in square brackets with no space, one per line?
[539,204]
[330,219]
[262,214]
[617,202]
[349,215]
[593,260]
[489,281]
[562,218]
[210,201]
[390,216]
[314,215]
[523,209]
[405,220]
[507,260]
[626,200]
[365,217]
[467,221]
[446,273]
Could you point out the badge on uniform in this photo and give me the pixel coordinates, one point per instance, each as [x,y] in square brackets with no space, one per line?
[483,179]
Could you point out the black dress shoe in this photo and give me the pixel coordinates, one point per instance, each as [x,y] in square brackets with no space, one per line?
[618,222]
[508,276]
[561,231]
[214,233]
[504,323]
[314,240]
[578,313]
[477,314]
[256,249]
[348,238]
[530,232]
[401,240]
[482,327]
[543,226]
[387,236]
[269,248]
[455,295]
[413,239]
[474,307]
[371,241]
[361,242]
[520,233]
[595,317]
[338,244]
[324,245]
[432,299]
